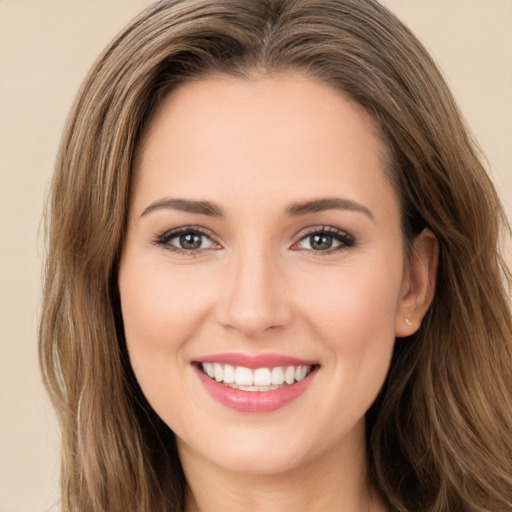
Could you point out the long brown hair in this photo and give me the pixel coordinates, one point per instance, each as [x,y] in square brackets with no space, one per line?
[439,436]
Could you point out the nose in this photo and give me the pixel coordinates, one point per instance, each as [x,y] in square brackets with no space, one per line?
[254,295]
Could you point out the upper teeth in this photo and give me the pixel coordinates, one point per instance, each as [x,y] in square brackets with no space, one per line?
[242,376]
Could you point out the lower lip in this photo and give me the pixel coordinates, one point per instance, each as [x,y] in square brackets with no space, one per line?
[254,401]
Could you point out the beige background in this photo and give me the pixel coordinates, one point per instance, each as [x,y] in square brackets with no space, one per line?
[46,46]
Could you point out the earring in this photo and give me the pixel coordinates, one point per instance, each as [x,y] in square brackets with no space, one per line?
[407,321]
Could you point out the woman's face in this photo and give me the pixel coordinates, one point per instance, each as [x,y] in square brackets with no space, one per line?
[264,247]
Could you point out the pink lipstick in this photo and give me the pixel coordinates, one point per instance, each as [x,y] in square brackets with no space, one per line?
[254,383]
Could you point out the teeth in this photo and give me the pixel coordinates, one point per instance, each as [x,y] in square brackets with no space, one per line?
[260,379]
[248,388]
[278,375]
[301,372]
[208,368]
[254,388]
[229,374]
[289,375]
[267,388]
[219,372]
[243,376]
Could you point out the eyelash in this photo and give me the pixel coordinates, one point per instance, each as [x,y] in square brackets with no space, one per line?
[346,241]
[165,238]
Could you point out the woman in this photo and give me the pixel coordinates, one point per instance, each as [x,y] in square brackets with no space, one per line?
[273,277]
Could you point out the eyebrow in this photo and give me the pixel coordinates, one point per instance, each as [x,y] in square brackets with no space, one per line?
[186,205]
[293,210]
[324,204]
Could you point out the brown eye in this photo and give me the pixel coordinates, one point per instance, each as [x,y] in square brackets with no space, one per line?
[190,241]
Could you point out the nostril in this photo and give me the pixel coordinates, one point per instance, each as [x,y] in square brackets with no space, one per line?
[253,320]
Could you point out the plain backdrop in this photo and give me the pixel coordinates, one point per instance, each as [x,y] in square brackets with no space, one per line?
[46,47]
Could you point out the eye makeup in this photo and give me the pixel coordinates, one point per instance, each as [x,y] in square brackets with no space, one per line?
[194,240]
[324,240]
[187,240]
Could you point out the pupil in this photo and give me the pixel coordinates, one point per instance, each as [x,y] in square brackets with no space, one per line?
[190,241]
[321,242]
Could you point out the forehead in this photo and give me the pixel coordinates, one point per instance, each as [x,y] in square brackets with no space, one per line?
[275,133]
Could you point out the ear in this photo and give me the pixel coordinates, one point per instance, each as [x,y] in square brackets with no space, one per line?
[418,284]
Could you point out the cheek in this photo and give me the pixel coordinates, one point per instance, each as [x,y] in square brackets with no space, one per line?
[161,311]
[157,304]
[355,319]
[354,302]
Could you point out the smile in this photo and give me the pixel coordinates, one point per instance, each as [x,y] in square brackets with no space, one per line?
[255,384]
[259,379]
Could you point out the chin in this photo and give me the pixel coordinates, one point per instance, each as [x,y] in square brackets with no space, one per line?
[272,450]
[254,459]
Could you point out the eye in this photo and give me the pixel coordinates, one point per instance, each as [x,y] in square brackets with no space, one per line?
[186,240]
[324,240]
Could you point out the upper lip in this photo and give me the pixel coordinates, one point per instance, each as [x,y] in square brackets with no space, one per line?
[254,361]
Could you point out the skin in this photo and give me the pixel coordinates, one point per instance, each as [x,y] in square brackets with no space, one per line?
[256,286]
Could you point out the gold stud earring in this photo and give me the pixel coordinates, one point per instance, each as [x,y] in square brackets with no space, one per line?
[407,321]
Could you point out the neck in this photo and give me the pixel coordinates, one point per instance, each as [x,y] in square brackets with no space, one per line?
[335,481]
